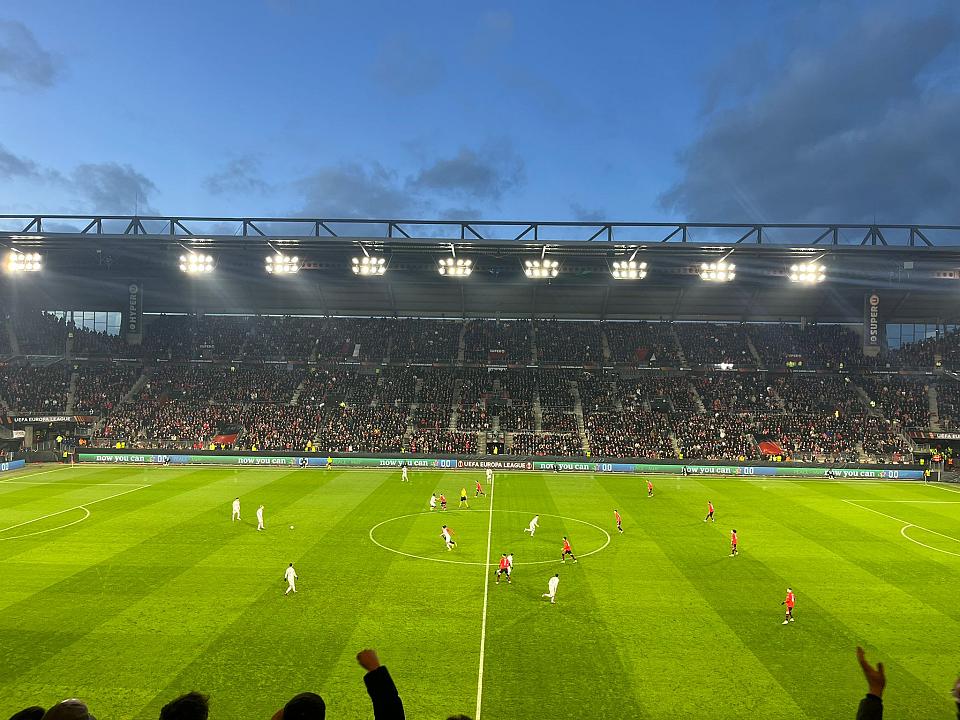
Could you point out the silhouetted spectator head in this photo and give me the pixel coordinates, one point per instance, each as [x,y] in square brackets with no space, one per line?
[30,713]
[71,709]
[305,706]
[192,706]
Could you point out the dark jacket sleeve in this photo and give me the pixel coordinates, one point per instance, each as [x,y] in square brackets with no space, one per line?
[383,694]
[871,708]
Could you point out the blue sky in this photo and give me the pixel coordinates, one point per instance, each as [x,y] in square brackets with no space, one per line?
[716,111]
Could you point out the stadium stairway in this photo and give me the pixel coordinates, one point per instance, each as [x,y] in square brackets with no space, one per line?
[578,414]
[72,393]
[604,345]
[696,398]
[753,351]
[537,412]
[933,400]
[461,343]
[679,345]
[295,398]
[12,336]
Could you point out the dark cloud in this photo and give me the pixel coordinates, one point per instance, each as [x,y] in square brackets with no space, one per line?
[23,63]
[112,188]
[13,166]
[405,67]
[355,190]
[846,130]
[585,214]
[239,176]
[484,174]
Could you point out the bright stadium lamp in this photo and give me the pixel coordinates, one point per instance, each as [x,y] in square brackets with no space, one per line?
[541,269]
[455,267]
[809,273]
[369,265]
[19,262]
[280,264]
[628,270]
[196,264]
[721,271]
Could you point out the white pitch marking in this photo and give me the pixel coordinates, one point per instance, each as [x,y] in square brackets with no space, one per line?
[486,591]
[907,525]
[75,507]
[58,483]
[44,472]
[467,562]
[944,487]
[43,532]
[922,502]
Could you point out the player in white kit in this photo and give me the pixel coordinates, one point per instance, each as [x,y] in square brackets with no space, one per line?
[447,535]
[403,474]
[236,510]
[433,502]
[552,588]
[260,518]
[534,524]
[510,565]
[291,577]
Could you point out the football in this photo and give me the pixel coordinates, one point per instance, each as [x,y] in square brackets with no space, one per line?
[291,527]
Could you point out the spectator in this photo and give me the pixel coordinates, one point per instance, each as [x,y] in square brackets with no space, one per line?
[192,706]
[71,709]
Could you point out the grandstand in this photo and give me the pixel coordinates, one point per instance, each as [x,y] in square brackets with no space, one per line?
[582,365]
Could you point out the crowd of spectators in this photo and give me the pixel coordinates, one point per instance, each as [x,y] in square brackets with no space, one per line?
[812,394]
[40,333]
[516,417]
[283,338]
[429,341]
[715,344]
[473,417]
[661,393]
[101,387]
[554,389]
[629,434]
[558,422]
[899,399]
[716,436]
[948,402]
[30,389]
[91,344]
[782,345]
[498,342]
[562,341]
[735,392]
[443,441]
[597,390]
[546,444]
[642,343]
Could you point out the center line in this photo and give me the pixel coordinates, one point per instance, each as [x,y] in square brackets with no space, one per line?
[486,590]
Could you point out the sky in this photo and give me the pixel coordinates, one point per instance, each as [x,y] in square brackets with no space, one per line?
[711,111]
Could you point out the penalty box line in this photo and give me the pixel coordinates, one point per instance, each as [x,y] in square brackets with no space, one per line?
[906,524]
[70,509]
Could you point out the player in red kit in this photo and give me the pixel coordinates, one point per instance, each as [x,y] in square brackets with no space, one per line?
[733,543]
[567,550]
[709,512]
[616,516]
[479,491]
[649,489]
[789,601]
[443,501]
[504,568]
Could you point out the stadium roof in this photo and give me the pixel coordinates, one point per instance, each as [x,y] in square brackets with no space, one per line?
[90,260]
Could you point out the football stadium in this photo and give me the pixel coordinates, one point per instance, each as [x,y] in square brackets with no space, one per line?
[367,392]
[479,362]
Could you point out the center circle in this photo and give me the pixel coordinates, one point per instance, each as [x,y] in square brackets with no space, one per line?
[454,513]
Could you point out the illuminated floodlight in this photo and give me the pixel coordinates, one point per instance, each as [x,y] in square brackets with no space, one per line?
[628,270]
[455,267]
[539,269]
[280,264]
[718,271]
[807,273]
[195,264]
[369,265]
[18,262]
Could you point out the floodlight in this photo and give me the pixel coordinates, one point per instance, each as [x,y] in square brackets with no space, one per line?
[369,265]
[718,271]
[807,273]
[195,264]
[628,270]
[540,269]
[455,267]
[280,264]
[18,262]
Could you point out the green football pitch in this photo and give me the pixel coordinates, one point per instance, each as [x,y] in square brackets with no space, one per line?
[126,586]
